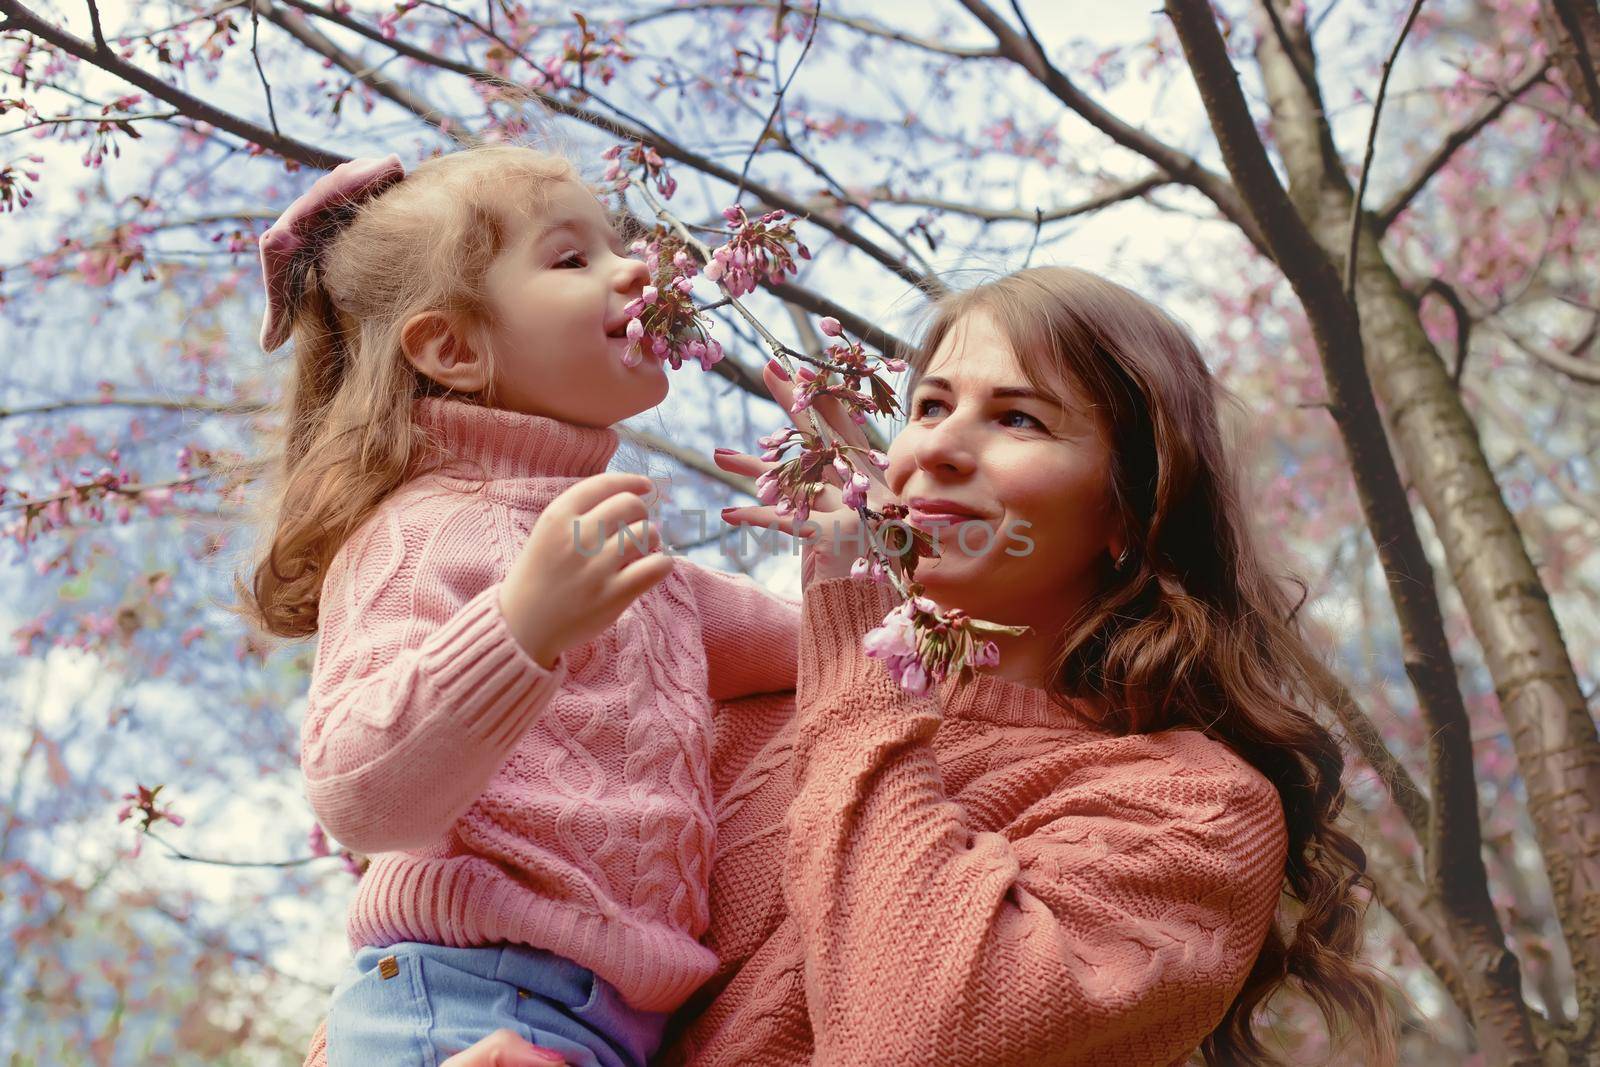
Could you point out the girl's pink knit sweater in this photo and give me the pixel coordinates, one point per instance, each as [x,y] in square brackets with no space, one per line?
[569,809]
[978,876]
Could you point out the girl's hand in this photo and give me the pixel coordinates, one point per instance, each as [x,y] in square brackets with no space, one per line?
[556,596]
[833,534]
[505,1048]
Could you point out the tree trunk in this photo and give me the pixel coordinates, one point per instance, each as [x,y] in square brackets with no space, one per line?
[1558,750]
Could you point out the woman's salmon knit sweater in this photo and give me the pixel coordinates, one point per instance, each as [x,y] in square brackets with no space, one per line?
[570,808]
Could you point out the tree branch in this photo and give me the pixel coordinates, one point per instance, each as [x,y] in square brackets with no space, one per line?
[1127,191]
[1408,901]
[1488,112]
[869,27]
[629,131]
[20,18]
[1372,144]
[1181,166]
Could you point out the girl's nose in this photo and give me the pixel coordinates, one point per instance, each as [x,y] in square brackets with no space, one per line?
[631,274]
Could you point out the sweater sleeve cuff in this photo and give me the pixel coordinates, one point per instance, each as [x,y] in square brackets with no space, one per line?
[478,668]
[837,614]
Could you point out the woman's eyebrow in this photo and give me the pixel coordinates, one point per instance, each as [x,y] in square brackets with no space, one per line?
[1022,392]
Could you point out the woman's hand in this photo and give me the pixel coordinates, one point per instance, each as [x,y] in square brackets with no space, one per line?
[506,1048]
[833,534]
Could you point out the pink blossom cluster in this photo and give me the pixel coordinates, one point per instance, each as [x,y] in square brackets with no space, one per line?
[755,250]
[387,21]
[664,318]
[919,645]
[143,804]
[318,839]
[643,156]
[580,54]
[792,485]
[850,361]
[14,195]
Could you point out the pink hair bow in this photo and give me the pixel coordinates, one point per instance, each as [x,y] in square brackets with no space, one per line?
[349,183]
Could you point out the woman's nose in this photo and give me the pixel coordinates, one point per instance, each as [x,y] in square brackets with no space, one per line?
[944,449]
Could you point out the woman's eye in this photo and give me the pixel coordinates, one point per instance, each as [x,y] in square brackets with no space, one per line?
[922,405]
[572,259]
[1024,415]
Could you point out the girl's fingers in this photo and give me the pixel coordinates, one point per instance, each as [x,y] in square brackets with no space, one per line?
[587,493]
[637,577]
[638,539]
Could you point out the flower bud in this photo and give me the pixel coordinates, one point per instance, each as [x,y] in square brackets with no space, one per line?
[830,326]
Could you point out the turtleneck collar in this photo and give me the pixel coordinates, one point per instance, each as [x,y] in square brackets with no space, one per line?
[505,444]
[991,698]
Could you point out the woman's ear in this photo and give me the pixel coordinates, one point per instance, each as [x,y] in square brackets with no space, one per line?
[436,344]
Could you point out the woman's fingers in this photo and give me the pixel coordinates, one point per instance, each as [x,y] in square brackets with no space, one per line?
[740,463]
[833,413]
[505,1048]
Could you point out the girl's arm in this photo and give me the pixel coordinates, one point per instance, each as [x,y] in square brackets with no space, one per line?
[1116,927]
[419,691]
[751,635]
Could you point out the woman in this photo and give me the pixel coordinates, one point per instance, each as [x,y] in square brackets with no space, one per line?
[1076,857]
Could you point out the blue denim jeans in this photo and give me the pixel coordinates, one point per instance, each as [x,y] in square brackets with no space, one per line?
[414,1005]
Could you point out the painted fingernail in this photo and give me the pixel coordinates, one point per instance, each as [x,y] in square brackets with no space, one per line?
[540,1054]
[725,451]
[777,368]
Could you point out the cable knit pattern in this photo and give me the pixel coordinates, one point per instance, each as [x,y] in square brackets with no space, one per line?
[570,809]
[982,875]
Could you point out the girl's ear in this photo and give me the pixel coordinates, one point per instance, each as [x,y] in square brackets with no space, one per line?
[436,344]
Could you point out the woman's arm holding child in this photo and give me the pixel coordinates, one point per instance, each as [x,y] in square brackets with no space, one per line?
[751,635]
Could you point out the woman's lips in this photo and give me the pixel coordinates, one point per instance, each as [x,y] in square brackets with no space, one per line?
[919,517]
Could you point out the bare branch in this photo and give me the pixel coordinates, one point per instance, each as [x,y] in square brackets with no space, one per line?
[1181,166]
[814,302]
[869,27]
[1372,143]
[1408,797]
[630,131]
[1405,898]
[1464,322]
[1512,426]
[295,24]
[255,52]
[1488,112]
[1582,23]
[1128,191]
[20,18]
[1579,370]
[689,458]
[777,106]
[197,403]
[100,45]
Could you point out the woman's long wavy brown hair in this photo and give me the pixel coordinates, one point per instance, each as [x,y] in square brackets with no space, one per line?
[1194,632]
[349,439]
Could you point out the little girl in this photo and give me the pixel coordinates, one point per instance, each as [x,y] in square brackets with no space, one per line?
[509,707]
